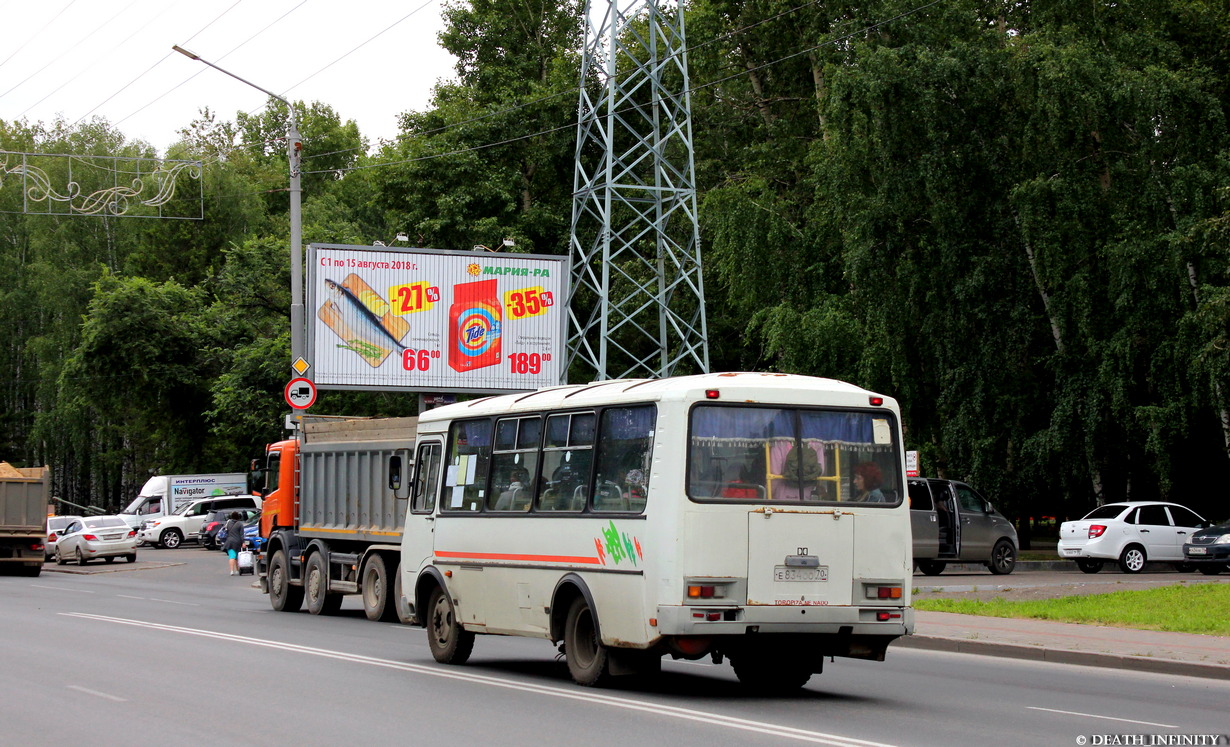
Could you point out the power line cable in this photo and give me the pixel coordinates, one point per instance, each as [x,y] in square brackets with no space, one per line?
[689,91]
[574,89]
[74,45]
[223,57]
[83,71]
[34,36]
[156,64]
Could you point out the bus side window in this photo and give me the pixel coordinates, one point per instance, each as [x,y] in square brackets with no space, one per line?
[625,448]
[469,459]
[567,456]
[427,478]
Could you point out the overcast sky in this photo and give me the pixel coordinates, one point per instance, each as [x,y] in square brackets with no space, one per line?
[112,58]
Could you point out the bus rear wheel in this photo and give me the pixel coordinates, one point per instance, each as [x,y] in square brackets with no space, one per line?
[587,657]
[449,642]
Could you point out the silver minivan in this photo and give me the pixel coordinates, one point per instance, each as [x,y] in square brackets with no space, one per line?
[952,522]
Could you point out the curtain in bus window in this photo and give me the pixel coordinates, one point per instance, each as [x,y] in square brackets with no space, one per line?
[469,459]
[733,451]
[855,444]
[625,447]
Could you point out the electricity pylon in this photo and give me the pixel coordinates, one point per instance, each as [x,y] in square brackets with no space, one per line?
[638,300]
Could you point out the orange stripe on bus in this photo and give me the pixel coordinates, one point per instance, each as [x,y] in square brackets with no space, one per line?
[515,556]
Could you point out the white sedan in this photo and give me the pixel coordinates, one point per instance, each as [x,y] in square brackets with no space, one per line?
[105,537]
[1131,533]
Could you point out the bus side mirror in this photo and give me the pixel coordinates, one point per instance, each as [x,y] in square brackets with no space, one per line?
[395,475]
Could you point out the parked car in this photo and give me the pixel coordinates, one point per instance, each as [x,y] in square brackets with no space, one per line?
[251,533]
[187,520]
[1131,533]
[952,522]
[55,527]
[1209,549]
[216,521]
[106,537]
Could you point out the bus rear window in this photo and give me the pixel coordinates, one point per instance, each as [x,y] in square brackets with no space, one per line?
[740,454]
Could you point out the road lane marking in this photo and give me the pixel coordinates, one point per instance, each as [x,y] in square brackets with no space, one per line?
[62,588]
[1108,718]
[172,601]
[88,691]
[588,696]
[129,596]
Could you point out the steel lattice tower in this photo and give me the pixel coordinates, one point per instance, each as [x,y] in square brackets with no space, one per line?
[638,299]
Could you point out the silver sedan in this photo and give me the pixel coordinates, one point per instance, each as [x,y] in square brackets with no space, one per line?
[105,537]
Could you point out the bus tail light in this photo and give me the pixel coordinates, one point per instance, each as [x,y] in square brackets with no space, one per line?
[886,616]
[702,592]
[1096,530]
[875,591]
[712,394]
[875,401]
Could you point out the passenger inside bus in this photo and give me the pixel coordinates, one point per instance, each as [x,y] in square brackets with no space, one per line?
[517,496]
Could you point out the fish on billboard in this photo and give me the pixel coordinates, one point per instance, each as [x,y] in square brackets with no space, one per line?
[361,318]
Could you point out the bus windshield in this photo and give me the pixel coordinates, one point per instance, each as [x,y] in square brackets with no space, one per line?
[747,453]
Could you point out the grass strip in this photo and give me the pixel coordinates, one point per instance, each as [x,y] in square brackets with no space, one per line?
[1184,608]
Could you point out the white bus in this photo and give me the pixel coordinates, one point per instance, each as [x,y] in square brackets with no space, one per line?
[756,517]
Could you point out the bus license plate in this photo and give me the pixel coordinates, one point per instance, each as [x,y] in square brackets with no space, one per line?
[788,573]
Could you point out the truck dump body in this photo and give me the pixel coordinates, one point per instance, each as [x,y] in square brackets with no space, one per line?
[23,516]
[344,482]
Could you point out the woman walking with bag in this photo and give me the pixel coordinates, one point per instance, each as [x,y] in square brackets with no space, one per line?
[234,541]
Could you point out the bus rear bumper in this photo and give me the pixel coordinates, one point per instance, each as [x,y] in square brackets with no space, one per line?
[820,620]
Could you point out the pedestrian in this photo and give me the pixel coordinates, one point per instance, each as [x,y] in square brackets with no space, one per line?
[234,541]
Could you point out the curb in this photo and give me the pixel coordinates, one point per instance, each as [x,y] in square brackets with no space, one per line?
[1059,656]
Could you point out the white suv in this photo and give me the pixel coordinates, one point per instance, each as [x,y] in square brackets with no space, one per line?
[187,520]
[1132,533]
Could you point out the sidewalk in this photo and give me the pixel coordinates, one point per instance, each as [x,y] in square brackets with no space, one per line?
[1069,643]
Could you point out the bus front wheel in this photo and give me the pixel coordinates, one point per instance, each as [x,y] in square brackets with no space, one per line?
[449,642]
[587,657]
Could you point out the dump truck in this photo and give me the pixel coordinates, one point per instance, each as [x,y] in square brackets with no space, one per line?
[331,522]
[24,494]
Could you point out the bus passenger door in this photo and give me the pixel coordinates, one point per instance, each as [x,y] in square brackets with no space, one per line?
[418,539]
[799,558]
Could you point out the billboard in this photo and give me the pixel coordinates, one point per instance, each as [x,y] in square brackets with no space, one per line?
[434,320]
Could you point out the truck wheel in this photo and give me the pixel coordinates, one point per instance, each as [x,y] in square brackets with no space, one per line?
[283,596]
[171,539]
[931,567]
[1133,559]
[379,602]
[587,657]
[449,642]
[1003,558]
[31,570]
[1089,566]
[316,587]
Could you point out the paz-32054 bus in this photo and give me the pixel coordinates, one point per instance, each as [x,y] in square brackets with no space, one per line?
[759,518]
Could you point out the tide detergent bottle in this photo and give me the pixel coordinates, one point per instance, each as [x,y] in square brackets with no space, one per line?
[474,326]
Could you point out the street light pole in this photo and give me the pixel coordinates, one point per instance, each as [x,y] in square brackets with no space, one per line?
[294,150]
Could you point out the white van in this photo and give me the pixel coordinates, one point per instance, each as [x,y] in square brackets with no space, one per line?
[162,494]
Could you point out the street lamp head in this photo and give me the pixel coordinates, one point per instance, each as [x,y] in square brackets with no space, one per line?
[184,52]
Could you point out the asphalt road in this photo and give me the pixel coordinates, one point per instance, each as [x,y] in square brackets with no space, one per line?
[175,651]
